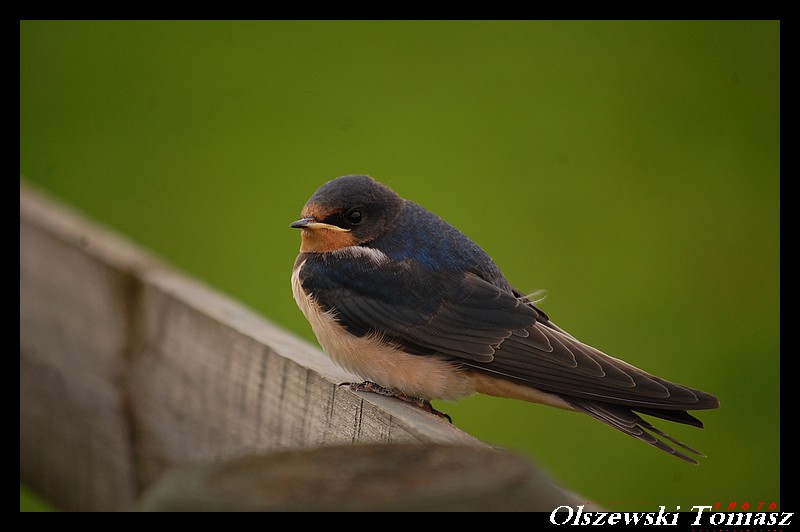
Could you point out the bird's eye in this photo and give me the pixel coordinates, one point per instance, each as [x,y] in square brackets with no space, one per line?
[354,216]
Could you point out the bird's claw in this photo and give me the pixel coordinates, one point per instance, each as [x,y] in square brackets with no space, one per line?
[369,386]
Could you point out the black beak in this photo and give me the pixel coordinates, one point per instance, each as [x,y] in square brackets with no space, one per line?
[301,223]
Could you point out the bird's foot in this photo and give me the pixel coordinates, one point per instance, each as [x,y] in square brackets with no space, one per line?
[369,386]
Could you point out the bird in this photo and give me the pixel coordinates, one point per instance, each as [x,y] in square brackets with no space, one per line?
[404,300]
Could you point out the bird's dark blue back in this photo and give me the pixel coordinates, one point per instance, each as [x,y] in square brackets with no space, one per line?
[435,245]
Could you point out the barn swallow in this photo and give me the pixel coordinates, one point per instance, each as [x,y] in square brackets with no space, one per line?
[404,300]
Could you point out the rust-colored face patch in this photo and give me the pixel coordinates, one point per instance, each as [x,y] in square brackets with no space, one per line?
[320,237]
[323,240]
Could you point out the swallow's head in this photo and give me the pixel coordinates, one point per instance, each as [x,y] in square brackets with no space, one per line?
[347,211]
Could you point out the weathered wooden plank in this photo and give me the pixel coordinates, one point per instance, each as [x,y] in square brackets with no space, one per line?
[74,441]
[128,369]
[366,478]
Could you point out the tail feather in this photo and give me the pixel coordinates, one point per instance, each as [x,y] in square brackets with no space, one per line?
[626,420]
[678,416]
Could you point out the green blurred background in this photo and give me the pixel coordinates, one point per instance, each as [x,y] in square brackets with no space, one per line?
[631,169]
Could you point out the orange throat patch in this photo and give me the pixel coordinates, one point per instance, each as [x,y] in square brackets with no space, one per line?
[323,240]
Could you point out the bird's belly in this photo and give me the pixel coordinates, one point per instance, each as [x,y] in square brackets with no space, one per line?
[375,360]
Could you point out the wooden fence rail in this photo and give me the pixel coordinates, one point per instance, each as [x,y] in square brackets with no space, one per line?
[130,370]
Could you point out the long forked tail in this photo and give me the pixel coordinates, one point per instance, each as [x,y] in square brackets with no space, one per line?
[626,420]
